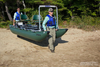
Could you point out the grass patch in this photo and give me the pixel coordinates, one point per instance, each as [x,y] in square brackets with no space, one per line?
[87,23]
[5,24]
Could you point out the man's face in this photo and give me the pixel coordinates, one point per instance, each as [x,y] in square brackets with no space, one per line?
[51,12]
[18,9]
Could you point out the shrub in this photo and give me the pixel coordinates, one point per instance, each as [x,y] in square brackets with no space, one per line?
[85,22]
[4,24]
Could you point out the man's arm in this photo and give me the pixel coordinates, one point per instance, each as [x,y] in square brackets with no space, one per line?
[44,22]
[13,22]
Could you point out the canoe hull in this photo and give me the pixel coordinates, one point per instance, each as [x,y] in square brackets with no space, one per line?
[60,32]
[36,36]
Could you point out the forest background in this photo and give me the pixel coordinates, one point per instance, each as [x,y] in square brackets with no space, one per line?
[82,14]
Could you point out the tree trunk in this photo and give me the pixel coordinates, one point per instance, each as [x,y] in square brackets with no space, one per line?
[7,11]
[17,3]
[24,6]
[3,14]
[99,7]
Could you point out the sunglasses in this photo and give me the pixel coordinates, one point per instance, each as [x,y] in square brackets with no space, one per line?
[51,11]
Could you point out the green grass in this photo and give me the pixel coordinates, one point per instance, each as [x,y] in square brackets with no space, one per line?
[5,24]
[87,23]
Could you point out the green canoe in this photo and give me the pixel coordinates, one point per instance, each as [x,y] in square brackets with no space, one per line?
[36,36]
[35,32]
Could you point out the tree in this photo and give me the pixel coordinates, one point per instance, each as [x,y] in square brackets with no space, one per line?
[2,10]
[7,11]
[67,8]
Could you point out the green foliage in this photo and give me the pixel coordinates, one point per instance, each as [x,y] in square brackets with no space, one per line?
[68,7]
[1,0]
[79,12]
[1,19]
[27,9]
[5,24]
[86,22]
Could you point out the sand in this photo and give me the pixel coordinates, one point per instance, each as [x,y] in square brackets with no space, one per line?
[77,48]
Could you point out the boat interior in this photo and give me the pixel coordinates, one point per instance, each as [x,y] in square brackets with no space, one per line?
[26,24]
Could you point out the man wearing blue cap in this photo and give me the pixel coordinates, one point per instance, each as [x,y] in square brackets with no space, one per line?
[52,27]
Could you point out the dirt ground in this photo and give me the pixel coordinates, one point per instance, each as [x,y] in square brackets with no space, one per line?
[77,48]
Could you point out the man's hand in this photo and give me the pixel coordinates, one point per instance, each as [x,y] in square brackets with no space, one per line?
[13,24]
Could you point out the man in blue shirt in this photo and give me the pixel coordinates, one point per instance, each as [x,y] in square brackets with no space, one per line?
[16,16]
[52,27]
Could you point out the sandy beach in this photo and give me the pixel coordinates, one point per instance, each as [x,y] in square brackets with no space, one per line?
[77,48]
